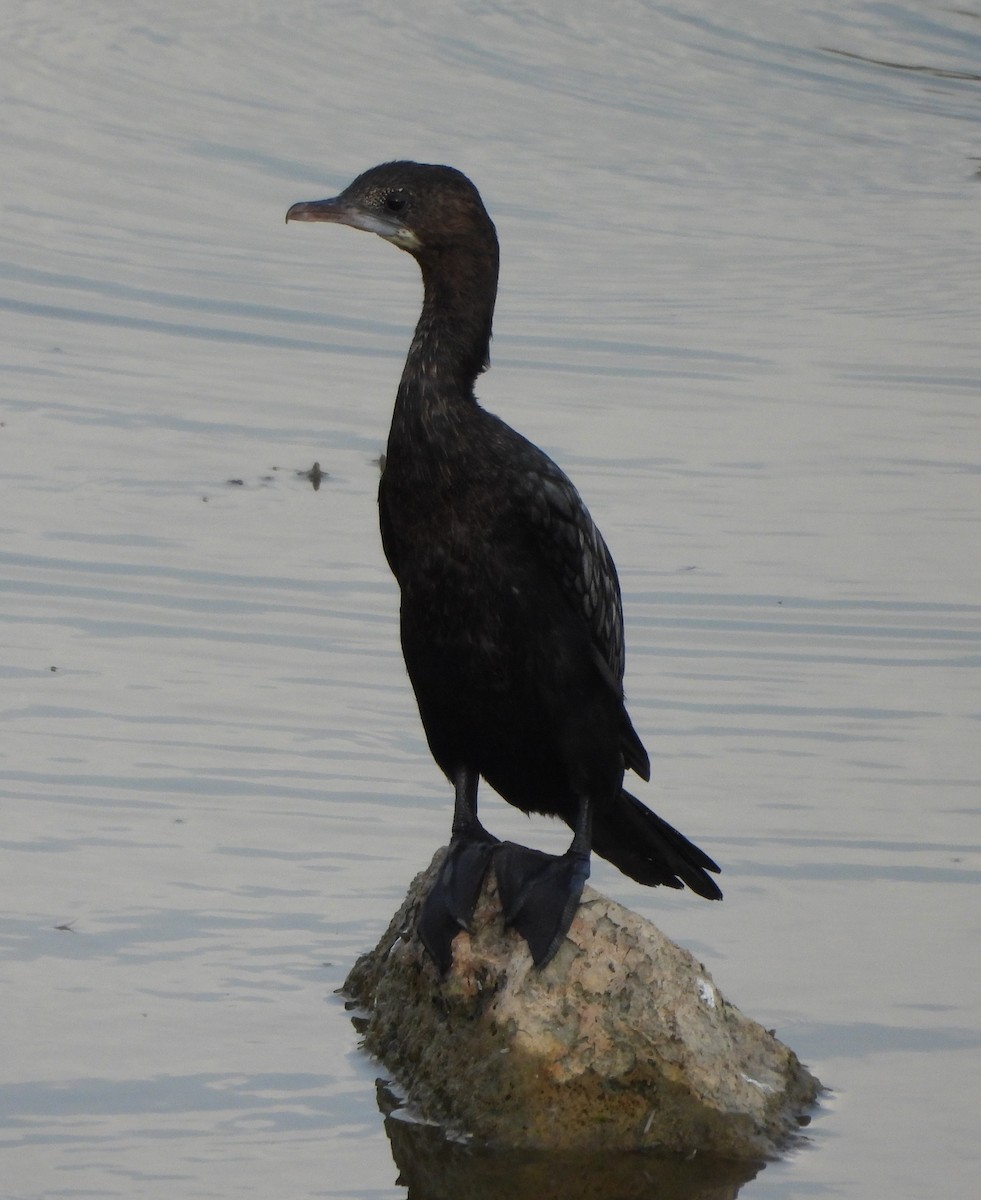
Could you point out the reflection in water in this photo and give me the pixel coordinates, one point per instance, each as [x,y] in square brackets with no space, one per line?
[431,1167]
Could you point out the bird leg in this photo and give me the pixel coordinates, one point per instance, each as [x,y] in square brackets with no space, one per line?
[540,892]
[449,906]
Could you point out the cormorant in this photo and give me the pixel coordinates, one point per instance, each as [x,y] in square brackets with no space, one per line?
[511,619]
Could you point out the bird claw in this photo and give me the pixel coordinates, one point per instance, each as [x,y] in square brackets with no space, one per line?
[451,901]
[539,894]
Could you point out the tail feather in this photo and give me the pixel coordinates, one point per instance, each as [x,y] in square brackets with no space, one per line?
[644,846]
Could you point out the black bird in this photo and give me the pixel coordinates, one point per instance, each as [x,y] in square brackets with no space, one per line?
[511,620]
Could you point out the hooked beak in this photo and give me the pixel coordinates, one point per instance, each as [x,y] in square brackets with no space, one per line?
[342,212]
[321,210]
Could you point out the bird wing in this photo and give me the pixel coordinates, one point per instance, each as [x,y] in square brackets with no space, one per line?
[583,564]
[574,548]
[577,554]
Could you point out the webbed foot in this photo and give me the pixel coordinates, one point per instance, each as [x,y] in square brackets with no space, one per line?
[449,906]
[539,894]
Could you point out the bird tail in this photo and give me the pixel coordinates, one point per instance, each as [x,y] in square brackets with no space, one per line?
[648,849]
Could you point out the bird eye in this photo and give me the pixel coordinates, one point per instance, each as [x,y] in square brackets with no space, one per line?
[394,202]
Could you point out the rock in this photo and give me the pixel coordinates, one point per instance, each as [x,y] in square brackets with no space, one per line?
[622,1042]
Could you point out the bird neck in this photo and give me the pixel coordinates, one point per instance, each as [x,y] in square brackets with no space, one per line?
[451,344]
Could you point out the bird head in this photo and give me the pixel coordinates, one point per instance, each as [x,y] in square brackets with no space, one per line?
[421,208]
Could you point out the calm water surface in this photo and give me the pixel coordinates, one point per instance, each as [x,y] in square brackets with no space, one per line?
[739,303]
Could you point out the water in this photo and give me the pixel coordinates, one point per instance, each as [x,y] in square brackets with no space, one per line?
[739,303]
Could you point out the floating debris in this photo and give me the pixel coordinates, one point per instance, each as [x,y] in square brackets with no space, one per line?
[315,475]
